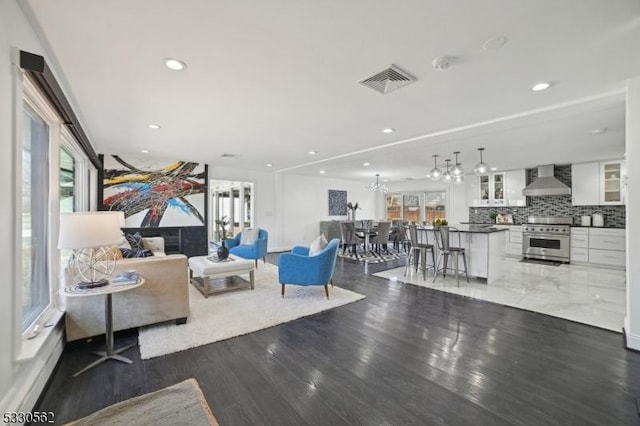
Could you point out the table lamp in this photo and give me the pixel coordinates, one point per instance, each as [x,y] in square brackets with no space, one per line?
[91,235]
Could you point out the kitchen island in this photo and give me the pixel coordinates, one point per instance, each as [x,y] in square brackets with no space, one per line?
[484,246]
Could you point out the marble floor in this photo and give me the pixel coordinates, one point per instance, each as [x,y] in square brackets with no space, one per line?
[585,294]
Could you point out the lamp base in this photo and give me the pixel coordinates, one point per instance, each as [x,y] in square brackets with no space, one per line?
[85,285]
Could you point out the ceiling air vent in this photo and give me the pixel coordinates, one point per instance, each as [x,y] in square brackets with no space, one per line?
[226,155]
[388,80]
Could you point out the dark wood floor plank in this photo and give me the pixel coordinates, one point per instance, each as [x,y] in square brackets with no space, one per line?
[403,355]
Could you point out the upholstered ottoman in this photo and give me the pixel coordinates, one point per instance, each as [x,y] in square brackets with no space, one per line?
[203,270]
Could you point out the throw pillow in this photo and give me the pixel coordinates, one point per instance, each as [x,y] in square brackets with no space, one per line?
[135,241]
[133,253]
[317,245]
[249,236]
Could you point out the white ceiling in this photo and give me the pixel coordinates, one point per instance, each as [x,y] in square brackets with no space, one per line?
[271,80]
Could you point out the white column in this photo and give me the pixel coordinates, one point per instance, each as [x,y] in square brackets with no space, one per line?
[241,204]
[632,320]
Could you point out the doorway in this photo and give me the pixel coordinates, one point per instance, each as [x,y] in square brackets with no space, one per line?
[232,208]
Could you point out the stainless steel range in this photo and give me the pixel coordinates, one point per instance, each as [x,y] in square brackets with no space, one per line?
[547,238]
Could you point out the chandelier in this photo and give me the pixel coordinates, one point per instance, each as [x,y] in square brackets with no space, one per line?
[377,186]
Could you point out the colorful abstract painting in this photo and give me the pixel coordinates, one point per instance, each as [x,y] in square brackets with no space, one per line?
[152,194]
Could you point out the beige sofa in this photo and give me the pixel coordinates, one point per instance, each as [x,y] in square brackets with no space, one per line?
[163,297]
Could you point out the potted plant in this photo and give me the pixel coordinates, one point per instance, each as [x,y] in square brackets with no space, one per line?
[493,216]
[221,224]
[351,213]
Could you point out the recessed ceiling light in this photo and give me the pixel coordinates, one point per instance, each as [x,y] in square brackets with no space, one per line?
[599,131]
[385,180]
[154,126]
[366,164]
[541,86]
[269,165]
[144,151]
[313,152]
[493,169]
[388,130]
[321,172]
[494,43]
[174,64]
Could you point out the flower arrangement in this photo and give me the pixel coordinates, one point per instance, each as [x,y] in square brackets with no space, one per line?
[351,207]
[221,224]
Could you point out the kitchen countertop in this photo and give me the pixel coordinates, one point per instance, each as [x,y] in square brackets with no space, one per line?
[485,228]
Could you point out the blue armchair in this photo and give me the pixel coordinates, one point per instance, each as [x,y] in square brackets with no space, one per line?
[299,268]
[255,251]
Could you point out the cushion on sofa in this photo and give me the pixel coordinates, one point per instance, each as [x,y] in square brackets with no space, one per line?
[135,241]
[132,253]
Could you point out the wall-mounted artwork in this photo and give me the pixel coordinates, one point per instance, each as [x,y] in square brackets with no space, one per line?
[154,194]
[337,203]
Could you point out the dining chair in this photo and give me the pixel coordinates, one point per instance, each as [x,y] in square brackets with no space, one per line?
[446,250]
[382,236]
[349,238]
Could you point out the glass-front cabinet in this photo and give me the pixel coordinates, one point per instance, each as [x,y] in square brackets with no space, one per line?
[497,189]
[491,190]
[612,182]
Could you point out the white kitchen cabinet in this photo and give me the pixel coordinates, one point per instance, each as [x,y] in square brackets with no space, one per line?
[612,182]
[585,184]
[515,183]
[579,245]
[515,241]
[599,246]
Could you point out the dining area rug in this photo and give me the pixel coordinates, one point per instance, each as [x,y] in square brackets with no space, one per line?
[373,256]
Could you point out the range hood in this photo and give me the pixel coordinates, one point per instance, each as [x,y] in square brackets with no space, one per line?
[546,184]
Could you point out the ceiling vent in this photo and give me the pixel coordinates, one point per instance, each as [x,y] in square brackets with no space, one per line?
[388,80]
[226,155]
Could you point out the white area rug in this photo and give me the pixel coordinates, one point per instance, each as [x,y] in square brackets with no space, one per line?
[241,312]
[585,294]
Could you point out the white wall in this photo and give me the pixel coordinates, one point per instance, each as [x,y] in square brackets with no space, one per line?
[305,203]
[632,320]
[456,209]
[20,382]
[265,185]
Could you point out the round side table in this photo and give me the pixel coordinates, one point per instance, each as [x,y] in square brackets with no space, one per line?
[107,291]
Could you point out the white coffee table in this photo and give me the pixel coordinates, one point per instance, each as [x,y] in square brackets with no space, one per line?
[203,270]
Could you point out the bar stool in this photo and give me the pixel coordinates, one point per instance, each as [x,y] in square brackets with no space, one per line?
[443,234]
[419,247]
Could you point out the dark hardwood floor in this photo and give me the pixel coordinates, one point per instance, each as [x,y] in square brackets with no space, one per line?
[404,355]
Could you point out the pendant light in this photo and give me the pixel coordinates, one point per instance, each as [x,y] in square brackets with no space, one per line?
[446,176]
[435,173]
[457,169]
[458,179]
[482,168]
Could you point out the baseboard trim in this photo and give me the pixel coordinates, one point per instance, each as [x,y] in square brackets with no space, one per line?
[631,341]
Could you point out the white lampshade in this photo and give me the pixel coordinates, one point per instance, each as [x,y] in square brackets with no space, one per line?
[80,230]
